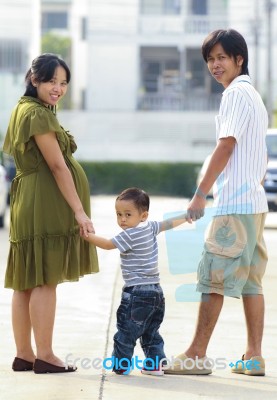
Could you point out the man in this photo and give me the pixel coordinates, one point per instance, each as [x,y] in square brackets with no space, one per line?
[234,257]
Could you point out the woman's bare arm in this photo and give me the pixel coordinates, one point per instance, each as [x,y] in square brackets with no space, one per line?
[49,147]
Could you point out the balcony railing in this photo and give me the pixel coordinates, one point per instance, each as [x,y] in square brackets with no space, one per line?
[179,102]
[189,24]
[12,55]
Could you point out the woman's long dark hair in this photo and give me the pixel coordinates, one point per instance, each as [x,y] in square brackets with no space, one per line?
[43,69]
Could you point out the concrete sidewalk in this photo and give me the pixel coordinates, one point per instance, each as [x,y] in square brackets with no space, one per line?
[85,324]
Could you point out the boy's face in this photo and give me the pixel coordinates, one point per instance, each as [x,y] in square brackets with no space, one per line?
[128,216]
[223,67]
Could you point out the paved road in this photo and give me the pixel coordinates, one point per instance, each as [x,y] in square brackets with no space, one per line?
[85,325]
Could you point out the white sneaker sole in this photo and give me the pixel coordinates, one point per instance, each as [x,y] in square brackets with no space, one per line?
[153,373]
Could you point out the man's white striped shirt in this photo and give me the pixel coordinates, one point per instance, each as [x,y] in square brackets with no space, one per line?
[242,114]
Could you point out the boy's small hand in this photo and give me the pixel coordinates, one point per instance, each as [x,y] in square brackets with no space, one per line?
[85,235]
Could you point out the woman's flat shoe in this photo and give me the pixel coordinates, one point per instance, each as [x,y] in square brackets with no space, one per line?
[22,365]
[43,367]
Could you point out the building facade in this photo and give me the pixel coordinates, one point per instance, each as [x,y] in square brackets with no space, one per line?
[68,19]
[130,60]
[152,61]
[19,44]
[145,54]
[133,55]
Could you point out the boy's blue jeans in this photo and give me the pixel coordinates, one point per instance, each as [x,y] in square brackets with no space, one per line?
[140,315]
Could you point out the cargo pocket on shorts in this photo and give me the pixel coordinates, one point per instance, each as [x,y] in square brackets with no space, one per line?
[219,264]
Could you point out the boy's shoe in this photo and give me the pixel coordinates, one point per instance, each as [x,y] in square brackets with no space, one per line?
[155,371]
[253,367]
[121,371]
[183,365]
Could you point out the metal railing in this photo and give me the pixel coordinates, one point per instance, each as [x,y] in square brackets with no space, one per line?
[12,55]
[189,24]
[179,102]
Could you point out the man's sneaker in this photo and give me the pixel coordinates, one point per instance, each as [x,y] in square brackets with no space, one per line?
[152,371]
[253,367]
[183,365]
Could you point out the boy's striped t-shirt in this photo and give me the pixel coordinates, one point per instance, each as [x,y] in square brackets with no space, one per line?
[139,253]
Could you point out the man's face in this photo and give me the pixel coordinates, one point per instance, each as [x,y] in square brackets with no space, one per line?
[223,67]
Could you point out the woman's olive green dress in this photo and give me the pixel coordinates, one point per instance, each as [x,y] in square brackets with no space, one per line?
[45,245]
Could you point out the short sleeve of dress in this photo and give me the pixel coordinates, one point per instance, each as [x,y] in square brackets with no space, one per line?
[30,117]
[37,121]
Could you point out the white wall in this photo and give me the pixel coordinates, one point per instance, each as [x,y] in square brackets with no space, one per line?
[113,63]
[18,20]
[12,88]
[141,136]
[21,20]
[79,61]
[243,15]
[113,76]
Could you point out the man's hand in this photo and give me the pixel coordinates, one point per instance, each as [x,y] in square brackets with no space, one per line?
[217,163]
[196,208]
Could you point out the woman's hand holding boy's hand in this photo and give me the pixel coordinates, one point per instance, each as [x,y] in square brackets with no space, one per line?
[85,223]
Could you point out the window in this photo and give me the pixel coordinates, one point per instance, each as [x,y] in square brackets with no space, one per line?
[216,87]
[54,20]
[197,70]
[199,7]
[168,7]
[12,56]
[151,72]
[271,142]
[160,76]
[172,6]
[83,99]
[84,28]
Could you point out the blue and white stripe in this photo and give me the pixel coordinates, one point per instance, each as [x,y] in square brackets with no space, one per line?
[139,253]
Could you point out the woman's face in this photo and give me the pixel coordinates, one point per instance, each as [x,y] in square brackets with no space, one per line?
[52,91]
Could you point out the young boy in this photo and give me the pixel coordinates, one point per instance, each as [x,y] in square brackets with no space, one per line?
[141,311]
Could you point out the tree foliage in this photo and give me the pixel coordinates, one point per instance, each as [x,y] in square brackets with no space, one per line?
[60,45]
[51,43]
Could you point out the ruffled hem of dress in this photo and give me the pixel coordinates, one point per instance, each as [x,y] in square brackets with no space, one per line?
[49,260]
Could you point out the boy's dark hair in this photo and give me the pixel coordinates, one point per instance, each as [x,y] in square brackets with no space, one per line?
[233,44]
[138,196]
[43,69]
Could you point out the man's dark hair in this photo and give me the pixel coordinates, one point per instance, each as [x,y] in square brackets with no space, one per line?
[233,44]
[138,196]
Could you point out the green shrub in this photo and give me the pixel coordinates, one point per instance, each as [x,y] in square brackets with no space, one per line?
[164,179]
